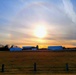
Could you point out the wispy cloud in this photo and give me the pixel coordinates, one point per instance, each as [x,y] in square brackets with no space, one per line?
[68,6]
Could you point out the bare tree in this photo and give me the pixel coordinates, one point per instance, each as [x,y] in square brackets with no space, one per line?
[37,47]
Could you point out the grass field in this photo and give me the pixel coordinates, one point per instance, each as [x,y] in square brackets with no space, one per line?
[48,63]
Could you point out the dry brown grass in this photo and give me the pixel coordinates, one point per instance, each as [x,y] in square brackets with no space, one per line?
[47,62]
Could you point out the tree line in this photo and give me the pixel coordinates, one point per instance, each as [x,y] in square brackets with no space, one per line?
[5,47]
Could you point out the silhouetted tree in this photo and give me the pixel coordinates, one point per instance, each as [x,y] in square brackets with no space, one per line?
[12,46]
[37,47]
[6,48]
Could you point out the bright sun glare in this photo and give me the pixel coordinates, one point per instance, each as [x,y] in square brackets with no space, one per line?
[40,31]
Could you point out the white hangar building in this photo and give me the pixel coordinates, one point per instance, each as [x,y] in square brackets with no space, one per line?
[55,48]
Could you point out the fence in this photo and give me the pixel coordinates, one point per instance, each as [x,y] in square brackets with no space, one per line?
[41,69]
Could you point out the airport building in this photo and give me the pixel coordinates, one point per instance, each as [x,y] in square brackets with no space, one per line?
[55,48]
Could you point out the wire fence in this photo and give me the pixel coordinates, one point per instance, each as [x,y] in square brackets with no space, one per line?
[41,69]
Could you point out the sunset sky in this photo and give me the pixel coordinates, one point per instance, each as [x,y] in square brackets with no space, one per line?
[38,22]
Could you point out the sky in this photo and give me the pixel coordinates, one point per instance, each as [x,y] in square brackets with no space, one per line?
[19,20]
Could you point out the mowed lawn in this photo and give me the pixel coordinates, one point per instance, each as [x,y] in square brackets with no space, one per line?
[48,62]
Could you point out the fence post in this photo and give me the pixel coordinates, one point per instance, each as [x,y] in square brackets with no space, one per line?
[2,67]
[35,67]
[67,67]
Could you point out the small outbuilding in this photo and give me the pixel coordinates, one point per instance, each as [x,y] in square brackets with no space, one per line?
[29,48]
[55,48]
